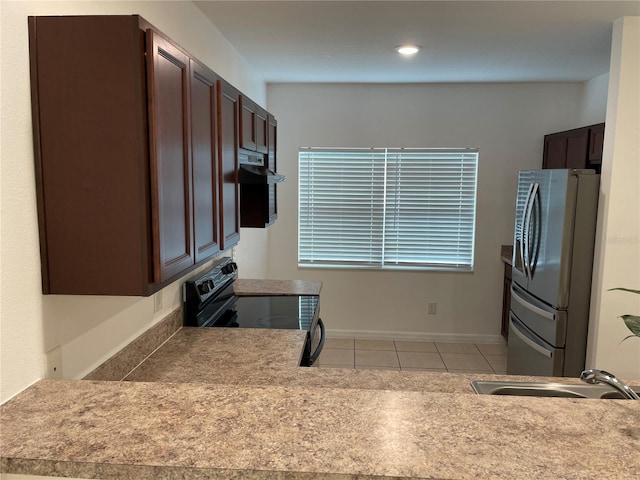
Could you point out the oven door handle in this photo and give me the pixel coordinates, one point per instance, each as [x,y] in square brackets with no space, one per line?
[314,356]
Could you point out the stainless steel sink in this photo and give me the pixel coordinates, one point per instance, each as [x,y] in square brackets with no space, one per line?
[529,389]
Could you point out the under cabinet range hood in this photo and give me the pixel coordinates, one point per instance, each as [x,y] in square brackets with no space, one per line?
[253,170]
[257,174]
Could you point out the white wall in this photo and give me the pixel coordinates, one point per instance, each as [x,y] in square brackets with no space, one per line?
[505,121]
[617,261]
[593,105]
[87,329]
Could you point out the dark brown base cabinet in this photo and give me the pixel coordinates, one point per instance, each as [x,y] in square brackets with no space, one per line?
[577,148]
[130,191]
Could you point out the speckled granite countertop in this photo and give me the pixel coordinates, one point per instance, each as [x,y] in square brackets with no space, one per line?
[161,430]
[231,404]
[248,287]
[198,354]
[258,357]
[506,254]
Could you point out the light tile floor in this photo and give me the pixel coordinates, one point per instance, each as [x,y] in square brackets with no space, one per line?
[407,355]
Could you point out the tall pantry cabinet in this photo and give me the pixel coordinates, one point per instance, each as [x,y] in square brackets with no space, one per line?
[125,138]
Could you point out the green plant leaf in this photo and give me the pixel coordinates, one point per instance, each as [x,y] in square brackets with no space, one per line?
[633,323]
[626,290]
[627,338]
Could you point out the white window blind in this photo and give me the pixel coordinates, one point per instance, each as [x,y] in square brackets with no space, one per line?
[387,208]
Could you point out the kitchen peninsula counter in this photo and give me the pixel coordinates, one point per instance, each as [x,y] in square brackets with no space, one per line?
[158,430]
[262,357]
[232,403]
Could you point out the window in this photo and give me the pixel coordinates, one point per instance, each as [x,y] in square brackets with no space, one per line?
[387,208]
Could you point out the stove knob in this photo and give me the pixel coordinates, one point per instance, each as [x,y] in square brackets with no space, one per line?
[210,284]
[203,288]
[230,268]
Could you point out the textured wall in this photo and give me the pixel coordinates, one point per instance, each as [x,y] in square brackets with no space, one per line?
[506,122]
[594,100]
[617,262]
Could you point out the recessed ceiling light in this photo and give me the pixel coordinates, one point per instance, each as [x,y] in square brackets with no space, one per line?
[408,49]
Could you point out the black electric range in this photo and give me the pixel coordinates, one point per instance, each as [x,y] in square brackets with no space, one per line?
[209,301]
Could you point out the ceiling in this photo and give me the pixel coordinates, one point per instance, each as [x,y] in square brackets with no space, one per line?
[463,41]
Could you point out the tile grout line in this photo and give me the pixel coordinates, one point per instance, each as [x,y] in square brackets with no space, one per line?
[486,360]
[446,368]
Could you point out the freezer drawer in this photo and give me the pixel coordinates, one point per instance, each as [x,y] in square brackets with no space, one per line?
[527,354]
[546,322]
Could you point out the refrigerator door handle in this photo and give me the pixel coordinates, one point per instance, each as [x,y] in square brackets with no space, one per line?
[526,231]
[534,227]
[525,338]
[537,310]
[520,233]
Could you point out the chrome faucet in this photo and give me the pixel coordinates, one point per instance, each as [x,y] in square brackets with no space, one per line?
[600,376]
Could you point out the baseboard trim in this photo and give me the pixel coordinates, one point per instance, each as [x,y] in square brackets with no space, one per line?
[415,336]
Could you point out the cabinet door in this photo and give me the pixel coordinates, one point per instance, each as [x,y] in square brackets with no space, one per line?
[247,123]
[555,151]
[596,143]
[577,149]
[262,130]
[205,168]
[566,149]
[228,116]
[272,142]
[170,167]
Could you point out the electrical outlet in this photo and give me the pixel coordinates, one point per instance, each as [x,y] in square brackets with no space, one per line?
[53,363]
[432,308]
[157,302]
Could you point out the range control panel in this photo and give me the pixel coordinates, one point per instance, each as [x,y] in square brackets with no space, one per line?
[198,291]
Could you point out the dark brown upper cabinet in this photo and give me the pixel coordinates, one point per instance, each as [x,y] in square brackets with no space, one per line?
[125,153]
[577,148]
[272,153]
[258,202]
[168,81]
[262,130]
[253,126]
[596,143]
[204,144]
[228,116]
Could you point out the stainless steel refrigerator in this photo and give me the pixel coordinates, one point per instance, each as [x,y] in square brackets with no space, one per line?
[552,265]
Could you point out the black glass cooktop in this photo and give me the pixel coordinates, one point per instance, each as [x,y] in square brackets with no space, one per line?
[282,311]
